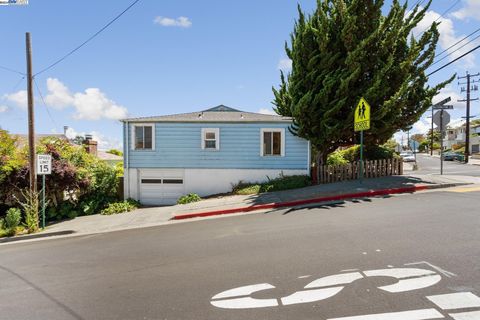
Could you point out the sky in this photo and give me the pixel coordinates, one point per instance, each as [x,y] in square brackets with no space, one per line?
[172,56]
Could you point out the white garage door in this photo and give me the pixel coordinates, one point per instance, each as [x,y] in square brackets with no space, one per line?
[161,186]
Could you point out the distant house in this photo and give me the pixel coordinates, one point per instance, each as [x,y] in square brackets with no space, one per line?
[206,152]
[456,136]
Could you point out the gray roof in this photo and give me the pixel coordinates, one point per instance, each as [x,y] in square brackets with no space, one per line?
[219,113]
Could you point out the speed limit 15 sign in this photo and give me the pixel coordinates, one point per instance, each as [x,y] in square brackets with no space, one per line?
[44,164]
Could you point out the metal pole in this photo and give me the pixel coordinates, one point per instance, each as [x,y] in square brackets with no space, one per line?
[31,118]
[441,142]
[43,201]
[467,129]
[431,137]
[361,156]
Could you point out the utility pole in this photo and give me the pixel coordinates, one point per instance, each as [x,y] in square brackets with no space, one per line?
[468,100]
[431,137]
[31,117]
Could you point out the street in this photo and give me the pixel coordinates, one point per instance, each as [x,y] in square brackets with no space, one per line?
[431,165]
[173,272]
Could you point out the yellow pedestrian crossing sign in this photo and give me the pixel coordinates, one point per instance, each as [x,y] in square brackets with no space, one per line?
[362,116]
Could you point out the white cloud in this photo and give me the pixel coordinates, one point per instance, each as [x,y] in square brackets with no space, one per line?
[3,109]
[182,22]
[285,64]
[266,111]
[59,96]
[93,104]
[470,10]
[19,98]
[104,142]
[448,37]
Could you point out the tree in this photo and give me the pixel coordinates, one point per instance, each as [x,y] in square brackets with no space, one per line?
[419,137]
[115,152]
[345,50]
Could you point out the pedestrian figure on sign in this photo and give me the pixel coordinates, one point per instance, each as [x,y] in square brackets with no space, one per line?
[361,111]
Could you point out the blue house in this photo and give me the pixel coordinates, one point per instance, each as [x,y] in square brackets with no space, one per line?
[207,152]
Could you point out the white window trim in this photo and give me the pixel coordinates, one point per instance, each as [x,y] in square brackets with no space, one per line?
[152,125]
[217,138]
[282,138]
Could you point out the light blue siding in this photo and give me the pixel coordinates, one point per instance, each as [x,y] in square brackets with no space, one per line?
[178,145]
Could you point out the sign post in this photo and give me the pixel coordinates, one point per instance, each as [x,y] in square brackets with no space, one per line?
[44,167]
[441,118]
[362,123]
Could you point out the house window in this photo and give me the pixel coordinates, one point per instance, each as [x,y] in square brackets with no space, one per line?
[272,142]
[211,138]
[143,137]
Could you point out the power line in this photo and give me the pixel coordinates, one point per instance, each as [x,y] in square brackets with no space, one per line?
[442,15]
[459,41]
[12,70]
[455,50]
[89,39]
[44,103]
[463,55]
[17,84]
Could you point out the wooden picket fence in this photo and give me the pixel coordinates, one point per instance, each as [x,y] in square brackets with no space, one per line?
[351,171]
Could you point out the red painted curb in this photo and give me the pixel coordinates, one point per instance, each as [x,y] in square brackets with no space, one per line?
[294,203]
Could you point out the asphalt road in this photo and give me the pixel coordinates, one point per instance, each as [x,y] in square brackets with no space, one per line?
[431,165]
[172,272]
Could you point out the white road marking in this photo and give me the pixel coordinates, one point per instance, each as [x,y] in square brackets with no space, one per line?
[243,291]
[378,250]
[440,270]
[398,272]
[473,315]
[348,270]
[245,303]
[303,277]
[335,279]
[422,314]
[455,300]
[412,284]
[310,295]
[364,253]
[423,278]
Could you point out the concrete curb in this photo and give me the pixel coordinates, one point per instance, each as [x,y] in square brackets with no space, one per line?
[366,194]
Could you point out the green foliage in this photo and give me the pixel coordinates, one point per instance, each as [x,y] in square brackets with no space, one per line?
[391,145]
[120,207]
[352,154]
[348,49]
[336,159]
[278,184]
[30,206]
[189,198]
[66,210]
[12,219]
[115,152]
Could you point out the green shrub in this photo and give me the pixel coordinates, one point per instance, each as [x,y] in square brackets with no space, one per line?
[120,207]
[65,210]
[352,154]
[189,198]
[336,159]
[278,184]
[13,218]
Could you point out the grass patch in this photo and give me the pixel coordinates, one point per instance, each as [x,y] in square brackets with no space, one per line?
[189,198]
[278,184]
[120,207]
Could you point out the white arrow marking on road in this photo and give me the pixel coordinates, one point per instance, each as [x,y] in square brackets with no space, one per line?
[335,279]
[244,303]
[310,295]
[455,300]
[243,291]
[422,314]
[424,278]
[440,270]
[473,315]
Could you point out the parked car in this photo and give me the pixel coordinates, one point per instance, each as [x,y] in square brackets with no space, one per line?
[452,156]
[408,156]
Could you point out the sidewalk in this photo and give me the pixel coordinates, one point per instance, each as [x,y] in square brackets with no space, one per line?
[154,216]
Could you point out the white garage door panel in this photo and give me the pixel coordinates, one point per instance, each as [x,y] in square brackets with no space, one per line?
[158,192]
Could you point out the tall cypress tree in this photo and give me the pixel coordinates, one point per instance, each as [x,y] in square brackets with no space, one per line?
[348,49]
